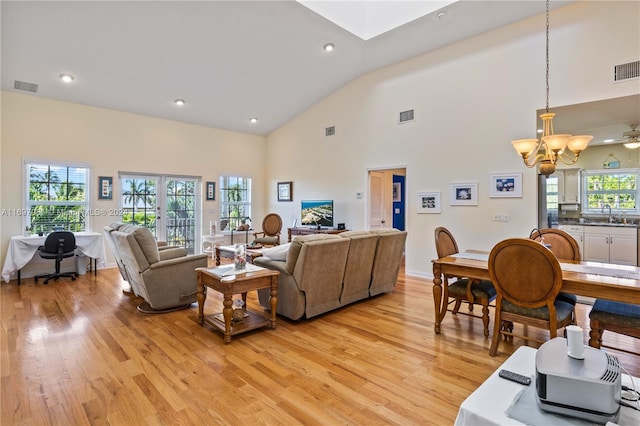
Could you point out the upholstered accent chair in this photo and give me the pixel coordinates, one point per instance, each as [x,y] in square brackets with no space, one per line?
[165,279]
[270,234]
[564,246]
[527,278]
[461,288]
[618,317]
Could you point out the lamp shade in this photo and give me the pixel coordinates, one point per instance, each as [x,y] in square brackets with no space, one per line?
[556,142]
[524,146]
[579,143]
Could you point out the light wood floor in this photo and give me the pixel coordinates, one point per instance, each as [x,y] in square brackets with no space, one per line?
[78,353]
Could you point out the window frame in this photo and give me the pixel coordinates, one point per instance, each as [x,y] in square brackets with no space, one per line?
[244,205]
[585,191]
[28,203]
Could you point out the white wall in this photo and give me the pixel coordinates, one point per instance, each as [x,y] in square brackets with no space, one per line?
[112,141]
[470,100]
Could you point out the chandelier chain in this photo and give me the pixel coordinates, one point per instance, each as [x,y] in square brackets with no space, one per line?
[547,53]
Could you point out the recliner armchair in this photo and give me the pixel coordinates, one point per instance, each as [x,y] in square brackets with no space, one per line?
[166,279]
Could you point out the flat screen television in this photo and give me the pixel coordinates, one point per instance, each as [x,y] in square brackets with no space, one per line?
[317,213]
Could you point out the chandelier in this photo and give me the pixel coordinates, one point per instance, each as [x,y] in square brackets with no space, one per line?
[550,147]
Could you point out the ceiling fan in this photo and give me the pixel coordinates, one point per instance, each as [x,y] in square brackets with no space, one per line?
[631,138]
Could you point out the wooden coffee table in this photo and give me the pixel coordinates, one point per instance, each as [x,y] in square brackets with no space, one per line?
[225,281]
[229,253]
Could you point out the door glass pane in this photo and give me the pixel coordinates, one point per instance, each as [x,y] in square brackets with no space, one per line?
[139,198]
[181,213]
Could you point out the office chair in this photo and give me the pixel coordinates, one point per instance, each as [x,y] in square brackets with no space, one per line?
[58,245]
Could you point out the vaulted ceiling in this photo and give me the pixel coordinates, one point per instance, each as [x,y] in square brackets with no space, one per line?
[229,60]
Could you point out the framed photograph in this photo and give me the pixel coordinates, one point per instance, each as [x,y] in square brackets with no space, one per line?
[285,191]
[211,191]
[506,185]
[397,192]
[105,188]
[428,202]
[464,194]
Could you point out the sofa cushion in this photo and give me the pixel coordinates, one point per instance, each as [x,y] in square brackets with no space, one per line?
[277,252]
[296,246]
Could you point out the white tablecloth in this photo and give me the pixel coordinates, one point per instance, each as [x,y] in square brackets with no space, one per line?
[488,404]
[22,249]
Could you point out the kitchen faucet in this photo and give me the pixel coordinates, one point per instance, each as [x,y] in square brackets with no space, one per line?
[609,207]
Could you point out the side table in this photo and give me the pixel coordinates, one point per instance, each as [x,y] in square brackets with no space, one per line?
[229,282]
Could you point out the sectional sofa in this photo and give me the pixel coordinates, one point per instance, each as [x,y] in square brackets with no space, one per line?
[320,273]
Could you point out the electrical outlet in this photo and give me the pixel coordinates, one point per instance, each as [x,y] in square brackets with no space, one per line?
[500,217]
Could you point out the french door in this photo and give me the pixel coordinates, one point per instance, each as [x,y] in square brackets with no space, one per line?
[168,205]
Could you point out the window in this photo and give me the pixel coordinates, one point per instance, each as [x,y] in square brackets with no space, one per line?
[235,201]
[618,189]
[56,196]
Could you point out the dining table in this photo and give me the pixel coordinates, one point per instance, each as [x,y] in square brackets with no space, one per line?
[590,279]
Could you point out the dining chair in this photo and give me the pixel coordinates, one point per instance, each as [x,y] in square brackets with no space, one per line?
[618,317]
[564,246]
[58,245]
[527,278]
[464,289]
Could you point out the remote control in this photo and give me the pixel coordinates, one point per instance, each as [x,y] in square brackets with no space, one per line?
[515,377]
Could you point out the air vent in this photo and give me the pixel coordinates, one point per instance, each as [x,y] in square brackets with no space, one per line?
[27,87]
[626,71]
[330,131]
[406,116]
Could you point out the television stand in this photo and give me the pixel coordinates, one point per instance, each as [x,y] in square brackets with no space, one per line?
[311,230]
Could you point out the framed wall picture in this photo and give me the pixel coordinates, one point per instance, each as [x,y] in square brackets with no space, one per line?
[428,202]
[105,188]
[285,191]
[506,185]
[464,194]
[397,192]
[210,191]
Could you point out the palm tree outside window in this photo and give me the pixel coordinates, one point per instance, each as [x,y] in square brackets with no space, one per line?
[56,197]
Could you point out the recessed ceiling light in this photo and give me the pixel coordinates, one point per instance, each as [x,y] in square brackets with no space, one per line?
[67,78]
[328,47]
[253,120]
[441,15]
[179,102]
[608,140]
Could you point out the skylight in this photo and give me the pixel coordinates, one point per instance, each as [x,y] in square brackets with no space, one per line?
[368,19]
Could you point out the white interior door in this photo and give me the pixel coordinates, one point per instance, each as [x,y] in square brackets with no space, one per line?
[377,209]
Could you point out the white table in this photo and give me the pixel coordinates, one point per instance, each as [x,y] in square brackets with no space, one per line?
[488,404]
[22,249]
[209,242]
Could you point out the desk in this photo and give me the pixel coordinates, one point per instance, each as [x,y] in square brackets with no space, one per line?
[22,249]
[488,404]
[591,279]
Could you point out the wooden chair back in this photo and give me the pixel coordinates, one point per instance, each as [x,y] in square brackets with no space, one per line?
[525,273]
[562,244]
[272,225]
[445,243]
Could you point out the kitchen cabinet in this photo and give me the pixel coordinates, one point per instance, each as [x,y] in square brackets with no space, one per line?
[568,186]
[577,232]
[611,244]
